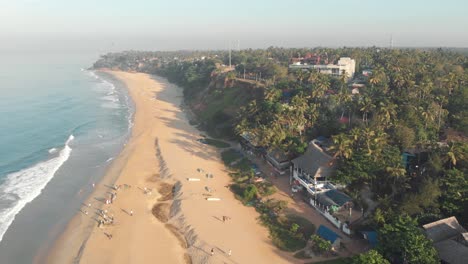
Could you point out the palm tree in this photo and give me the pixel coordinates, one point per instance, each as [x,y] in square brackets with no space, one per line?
[321,85]
[301,75]
[386,112]
[313,76]
[396,173]
[272,94]
[377,77]
[366,107]
[342,145]
[450,82]
[455,151]
[426,114]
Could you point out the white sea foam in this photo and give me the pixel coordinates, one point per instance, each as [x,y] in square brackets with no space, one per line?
[111,99]
[53,150]
[110,96]
[23,186]
[109,159]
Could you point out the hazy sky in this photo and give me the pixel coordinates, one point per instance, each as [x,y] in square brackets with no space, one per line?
[205,24]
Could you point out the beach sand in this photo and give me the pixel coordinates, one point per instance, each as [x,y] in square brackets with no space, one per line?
[162,152]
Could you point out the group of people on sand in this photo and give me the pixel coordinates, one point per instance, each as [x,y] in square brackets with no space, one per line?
[224,217]
[208,175]
[106,219]
[103,216]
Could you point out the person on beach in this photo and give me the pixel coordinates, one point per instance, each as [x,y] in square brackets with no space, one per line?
[89,205]
[224,218]
[131,212]
[229,253]
[212,251]
[93,184]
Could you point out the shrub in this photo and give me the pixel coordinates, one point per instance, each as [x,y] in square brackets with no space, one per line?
[229,156]
[320,246]
[265,188]
[250,193]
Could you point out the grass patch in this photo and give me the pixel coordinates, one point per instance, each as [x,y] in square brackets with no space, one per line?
[265,188]
[229,156]
[305,226]
[245,165]
[215,143]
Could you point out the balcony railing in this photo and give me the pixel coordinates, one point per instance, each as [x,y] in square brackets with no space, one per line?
[310,186]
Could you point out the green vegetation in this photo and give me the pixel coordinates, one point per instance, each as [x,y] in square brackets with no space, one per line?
[370,257]
[320,245]
[215,143]
[401,241]
[285,232]
[229,156]
[413,101]
[289,232]
[333,261]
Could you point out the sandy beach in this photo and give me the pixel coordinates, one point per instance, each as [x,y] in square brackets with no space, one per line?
[162,152]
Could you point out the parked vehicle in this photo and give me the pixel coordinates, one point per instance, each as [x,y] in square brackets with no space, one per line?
[296,188]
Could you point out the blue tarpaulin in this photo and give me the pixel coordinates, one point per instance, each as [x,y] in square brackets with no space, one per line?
[327,234]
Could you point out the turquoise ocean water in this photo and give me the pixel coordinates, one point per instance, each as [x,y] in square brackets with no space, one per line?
[60,126]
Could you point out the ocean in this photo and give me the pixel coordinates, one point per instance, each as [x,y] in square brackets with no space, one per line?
[60,127]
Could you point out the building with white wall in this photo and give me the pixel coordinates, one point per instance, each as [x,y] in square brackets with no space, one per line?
[345,66]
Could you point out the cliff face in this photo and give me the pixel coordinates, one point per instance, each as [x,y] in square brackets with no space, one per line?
[218,105]
[216,100]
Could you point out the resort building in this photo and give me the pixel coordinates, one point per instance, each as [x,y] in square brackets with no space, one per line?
[312,169]
[278,160]
[450,240]
[345,66]
[334,200]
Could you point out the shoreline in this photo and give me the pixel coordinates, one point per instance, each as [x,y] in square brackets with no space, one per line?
[163,149]
[81,228]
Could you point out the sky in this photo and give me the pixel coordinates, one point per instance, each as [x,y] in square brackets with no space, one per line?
[213,24]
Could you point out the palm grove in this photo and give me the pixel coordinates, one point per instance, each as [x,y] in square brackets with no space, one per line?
[414,100]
